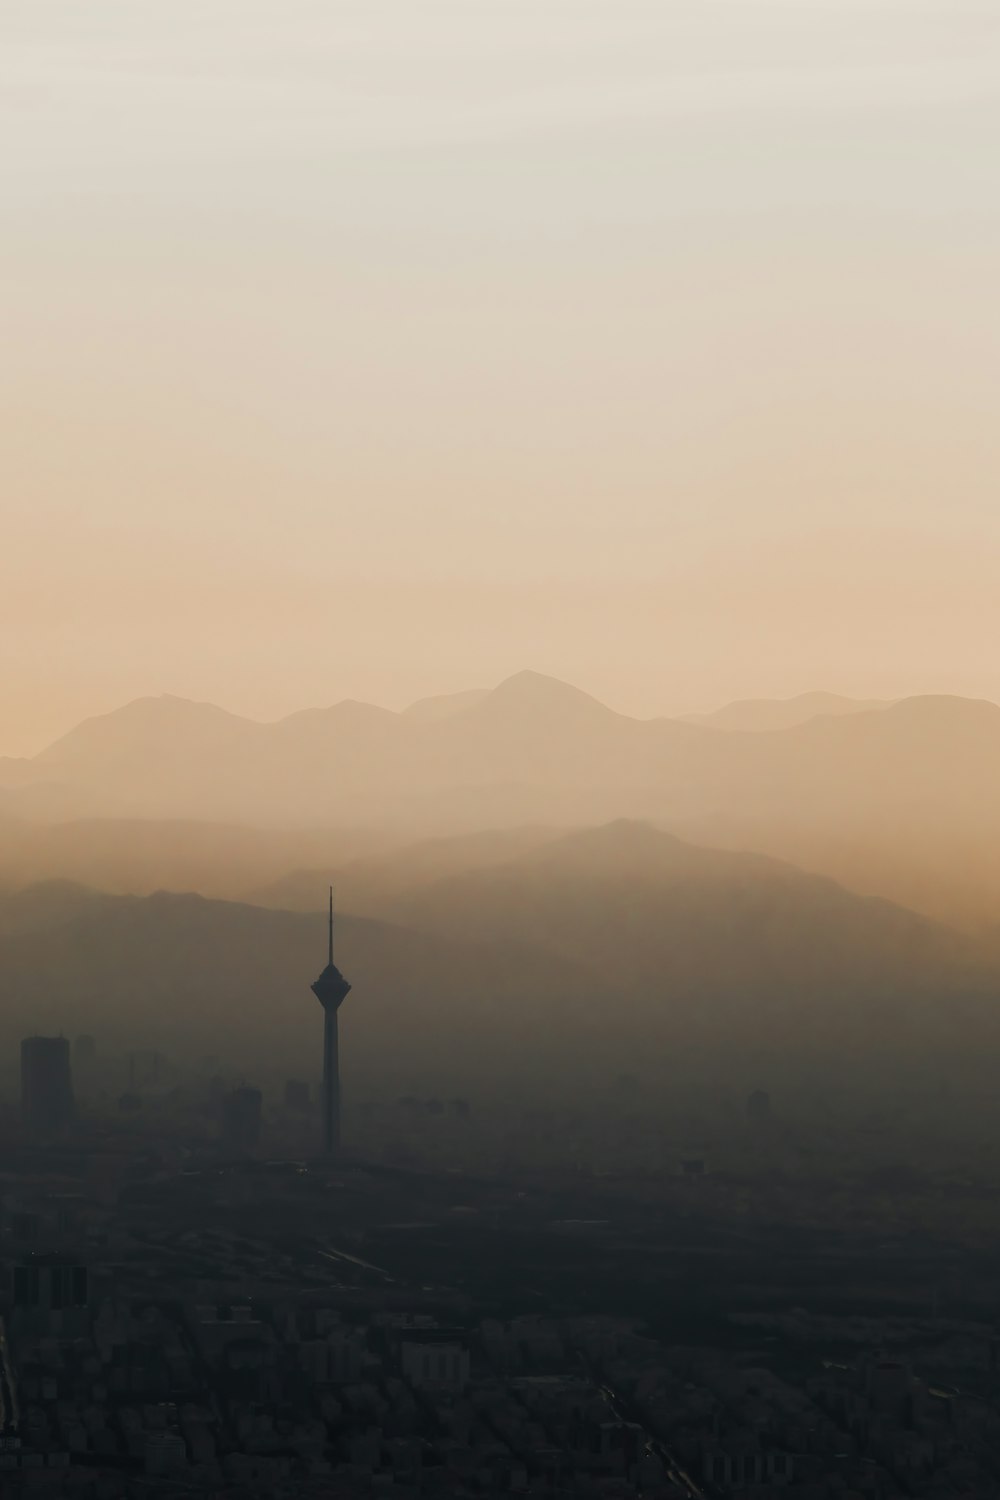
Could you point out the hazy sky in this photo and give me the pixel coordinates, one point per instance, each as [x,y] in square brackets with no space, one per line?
[381,347]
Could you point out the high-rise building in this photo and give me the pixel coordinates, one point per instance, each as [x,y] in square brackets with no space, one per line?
[331,990]
[435,1359]
[165,1453]
[51,1296]
[50,1281]
[46,1083]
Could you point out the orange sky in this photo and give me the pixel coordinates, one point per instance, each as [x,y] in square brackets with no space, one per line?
[385,347]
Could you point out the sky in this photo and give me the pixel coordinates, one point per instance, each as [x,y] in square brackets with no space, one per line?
[378,348]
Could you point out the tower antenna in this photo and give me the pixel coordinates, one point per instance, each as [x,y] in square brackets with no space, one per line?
[331,990]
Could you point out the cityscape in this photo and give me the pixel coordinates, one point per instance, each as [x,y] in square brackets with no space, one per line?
[209,1291]
[499,750]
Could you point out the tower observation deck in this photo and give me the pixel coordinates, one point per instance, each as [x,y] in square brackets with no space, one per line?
[331,990]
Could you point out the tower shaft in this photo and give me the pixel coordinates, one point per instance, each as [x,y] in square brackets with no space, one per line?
[331,1082]
[331,989]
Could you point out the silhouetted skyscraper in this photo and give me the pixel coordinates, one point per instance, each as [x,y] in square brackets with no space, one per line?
[50,1281]
[331,990]
[46,1083]
[51,1296]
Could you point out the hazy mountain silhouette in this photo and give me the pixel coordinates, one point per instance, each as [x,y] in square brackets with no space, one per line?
[529,741]
[367,886]
[152,754]
[902,801]
[643,905]
[149,729]
[618,943]
[430,710]
[759,715]
[920,757]
[140,856]
[17,771]
[196,976]
[50,905]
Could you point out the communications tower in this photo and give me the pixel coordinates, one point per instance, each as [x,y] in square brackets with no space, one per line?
[331,990]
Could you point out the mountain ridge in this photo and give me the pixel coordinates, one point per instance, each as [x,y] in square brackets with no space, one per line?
[901,801]
[766,715]
[551,961]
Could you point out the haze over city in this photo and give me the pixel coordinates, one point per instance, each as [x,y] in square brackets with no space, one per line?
[499,745]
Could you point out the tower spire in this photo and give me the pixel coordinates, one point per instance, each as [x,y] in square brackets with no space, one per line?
[330,945]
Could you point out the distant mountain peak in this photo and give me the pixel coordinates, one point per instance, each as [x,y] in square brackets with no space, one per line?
[535,692]
[950,704]
[528,680]
[142,720]
[348,711]
[621,842]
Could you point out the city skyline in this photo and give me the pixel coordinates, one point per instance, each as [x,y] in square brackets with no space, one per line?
[526,469]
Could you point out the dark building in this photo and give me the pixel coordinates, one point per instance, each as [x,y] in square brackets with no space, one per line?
[51,1297]
[435,1358]
[331,990]
[46,1083]
[241,1120]
[50,1282]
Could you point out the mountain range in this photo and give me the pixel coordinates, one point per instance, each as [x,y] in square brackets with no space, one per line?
[617,947]
[895,799]
[759,715]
